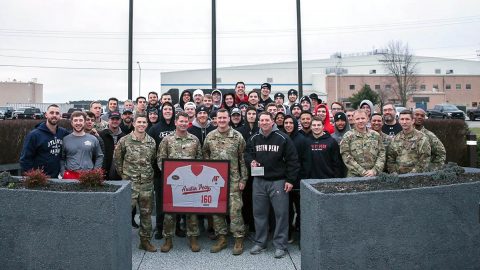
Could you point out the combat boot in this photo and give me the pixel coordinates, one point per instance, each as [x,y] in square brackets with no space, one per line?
[167,245]
[146,245]
[238,247]
[193,241]
[220,244]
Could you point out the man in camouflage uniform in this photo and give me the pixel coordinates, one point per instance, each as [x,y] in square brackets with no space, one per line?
[410,151]
[180,145]
[134,157]
[225,143]
[99,124]
[362,149]
[439,155]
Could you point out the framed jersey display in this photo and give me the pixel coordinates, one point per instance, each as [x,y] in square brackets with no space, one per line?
[195,186]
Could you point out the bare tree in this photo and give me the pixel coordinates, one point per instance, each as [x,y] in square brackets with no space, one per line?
[398,61]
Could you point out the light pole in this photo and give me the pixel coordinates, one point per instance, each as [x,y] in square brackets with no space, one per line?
[139,78]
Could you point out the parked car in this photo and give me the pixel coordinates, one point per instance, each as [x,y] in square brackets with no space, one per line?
[70,111]
[399,109]
[473,113]
[30,113]
[2,115]
[7,111]
[19,110]
[445,111]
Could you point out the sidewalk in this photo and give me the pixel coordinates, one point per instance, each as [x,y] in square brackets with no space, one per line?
[181,257]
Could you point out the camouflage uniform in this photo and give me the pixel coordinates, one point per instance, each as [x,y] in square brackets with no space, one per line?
[409,153]
[134,160]
[386,139]
[229,145]
[99,126]
[439,155]
[188,147]
[362,152]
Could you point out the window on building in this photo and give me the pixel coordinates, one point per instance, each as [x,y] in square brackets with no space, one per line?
[219,80]
[474,104]
[270,80]
[388,87]
[435,87]
[468,86]
[352,86]
[423,87]
[448,86]
[373,71]
[377,86]
[458,86]
[438,71]
[449,71]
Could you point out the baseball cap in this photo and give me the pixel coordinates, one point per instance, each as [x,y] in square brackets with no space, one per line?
[269,86]
[242,104]
[292,92]
[235,111]
[201,109]
[114,114]
[279,95]
[127,111]
[198,92]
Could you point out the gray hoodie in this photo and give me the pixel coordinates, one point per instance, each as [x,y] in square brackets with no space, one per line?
[338,134]
[219,105]
[369,103]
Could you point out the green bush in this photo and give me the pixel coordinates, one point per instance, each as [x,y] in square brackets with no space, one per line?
[12,134]
[452,133]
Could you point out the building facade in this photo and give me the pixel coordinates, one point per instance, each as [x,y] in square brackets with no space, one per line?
[20,92]
[337,78]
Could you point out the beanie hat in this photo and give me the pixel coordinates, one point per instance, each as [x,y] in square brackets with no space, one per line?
[201,109]
[292,92]
[305,98]
[296,104]
[189,104]
[198,92]
[340,116]
[267,85]
[279,95]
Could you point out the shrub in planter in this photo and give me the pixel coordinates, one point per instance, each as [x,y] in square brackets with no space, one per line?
[92,178]
[413,221]
[35,178]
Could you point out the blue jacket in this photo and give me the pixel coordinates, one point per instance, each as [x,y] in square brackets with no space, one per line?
[42,149]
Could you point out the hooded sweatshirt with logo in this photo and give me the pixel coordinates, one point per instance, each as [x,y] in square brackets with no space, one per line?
[276,153]
[324,153]
[43,150]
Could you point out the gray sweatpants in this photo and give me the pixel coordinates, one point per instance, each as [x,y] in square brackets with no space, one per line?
[263,193]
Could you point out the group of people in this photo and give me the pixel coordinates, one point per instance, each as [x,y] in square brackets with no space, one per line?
[271,145]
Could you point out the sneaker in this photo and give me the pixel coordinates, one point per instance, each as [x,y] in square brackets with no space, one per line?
[257,249]
[279,253]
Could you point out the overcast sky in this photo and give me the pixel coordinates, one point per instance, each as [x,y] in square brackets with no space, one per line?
[79,49]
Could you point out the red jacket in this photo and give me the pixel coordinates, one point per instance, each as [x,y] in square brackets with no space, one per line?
[327,126]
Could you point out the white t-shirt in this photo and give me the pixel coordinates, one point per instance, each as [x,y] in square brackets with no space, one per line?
[190,190]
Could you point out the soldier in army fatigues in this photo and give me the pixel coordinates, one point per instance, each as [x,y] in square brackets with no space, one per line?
[134,158]
[362,150]
[410,150]
[180,145]
[439,155]
[225,143]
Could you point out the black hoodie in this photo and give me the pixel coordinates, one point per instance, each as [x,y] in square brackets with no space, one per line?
[301,145]
[276,153]
[246,131]
[199,131]
[161,129]
[324,155]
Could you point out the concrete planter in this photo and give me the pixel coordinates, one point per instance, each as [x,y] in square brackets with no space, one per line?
[421,228]
[65,230]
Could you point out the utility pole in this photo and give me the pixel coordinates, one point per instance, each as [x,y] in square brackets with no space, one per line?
[130,49]
[214,45]
[299,48]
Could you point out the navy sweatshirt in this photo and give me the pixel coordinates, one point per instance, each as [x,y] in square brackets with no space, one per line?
[42,150]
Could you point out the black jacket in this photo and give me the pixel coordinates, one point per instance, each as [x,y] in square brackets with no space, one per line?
[324,154]
[200,132]
[109,145]
[301,145]
[276,153]
[246,131]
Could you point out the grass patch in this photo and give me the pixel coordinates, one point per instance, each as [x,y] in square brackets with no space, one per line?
[475,130]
